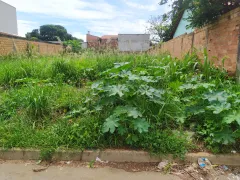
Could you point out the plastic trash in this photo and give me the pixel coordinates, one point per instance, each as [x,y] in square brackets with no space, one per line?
[163,164]
[233,151]
[99,160]
[69,162]
[225,168]
[204,163]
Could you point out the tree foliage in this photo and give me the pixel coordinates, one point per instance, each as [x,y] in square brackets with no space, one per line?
[76,45]
[207,11]
[202,12]
[50,33]
[157,28]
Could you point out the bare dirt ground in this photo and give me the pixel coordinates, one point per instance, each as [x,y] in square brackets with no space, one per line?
[30,170]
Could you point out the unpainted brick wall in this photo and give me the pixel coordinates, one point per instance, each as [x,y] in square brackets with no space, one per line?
[98,43]
[221,40]
[15,44]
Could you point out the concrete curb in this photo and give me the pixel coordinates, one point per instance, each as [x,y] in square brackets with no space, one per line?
[116,156]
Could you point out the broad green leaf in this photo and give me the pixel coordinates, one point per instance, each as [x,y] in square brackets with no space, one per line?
[106,101]
[194,109]
[120,110]
[219,107]
[130,111]
[122,64]
[181,119]
[134,138]
[133,112]
[131,139]
[237,101]
[98,108]
[141,125]
[96,85]
[206,85]
[237,133]
[122,130]
[150,91]
[133,77]
[144,90]
[158,93]
[234,116]
[217,96]
[87,100]
[110,124]
[117,90]
[187,86]
[225,136]
[148,79]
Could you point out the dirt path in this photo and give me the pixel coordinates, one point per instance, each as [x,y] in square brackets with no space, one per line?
[12,171]
[18,170]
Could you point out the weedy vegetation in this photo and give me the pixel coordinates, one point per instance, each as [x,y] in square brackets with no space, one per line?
[113,100]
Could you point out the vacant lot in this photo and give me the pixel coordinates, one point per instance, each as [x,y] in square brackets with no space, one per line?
[112,100]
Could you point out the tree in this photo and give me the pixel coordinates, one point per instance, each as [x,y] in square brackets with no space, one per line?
[76,45]
[162,26]
[33,35]
[157,27]
[208,11]
[50,33]
[202,12]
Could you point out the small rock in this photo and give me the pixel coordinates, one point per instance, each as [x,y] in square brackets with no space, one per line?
[162,164]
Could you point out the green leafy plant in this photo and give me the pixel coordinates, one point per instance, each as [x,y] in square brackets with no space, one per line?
[76,45]
[46,154]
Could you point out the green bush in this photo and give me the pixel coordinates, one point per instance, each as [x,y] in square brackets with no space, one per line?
[76,45]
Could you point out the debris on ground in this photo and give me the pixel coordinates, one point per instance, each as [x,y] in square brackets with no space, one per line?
[40,169]
[39,162]
[163,164]
[182,171]
[99,160]
[204,163]
[225,168]
[233,176]
[68,162]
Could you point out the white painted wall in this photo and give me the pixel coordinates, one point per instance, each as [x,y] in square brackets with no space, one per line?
[8,19]
[84,45]
[182,26]
[133,42]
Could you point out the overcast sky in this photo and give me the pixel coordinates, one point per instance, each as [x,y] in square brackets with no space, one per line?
[100,17]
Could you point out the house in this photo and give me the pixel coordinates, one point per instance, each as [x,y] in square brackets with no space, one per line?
[106,41]
[8,19]
[133,42]
[182,26]
[122,42]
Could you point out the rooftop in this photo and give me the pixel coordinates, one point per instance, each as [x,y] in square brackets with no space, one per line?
[109,37]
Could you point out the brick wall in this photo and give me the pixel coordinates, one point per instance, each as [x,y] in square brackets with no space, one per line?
[97,42]
[15,44]
[221,40]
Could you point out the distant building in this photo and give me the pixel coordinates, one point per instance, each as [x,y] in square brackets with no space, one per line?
[133,42]
[106,41]
[8,19]
[122,42]
[181,26]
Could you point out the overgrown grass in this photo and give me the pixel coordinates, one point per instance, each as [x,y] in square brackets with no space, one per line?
[113,100]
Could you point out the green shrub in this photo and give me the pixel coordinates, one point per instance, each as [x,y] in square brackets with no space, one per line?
[66,72]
